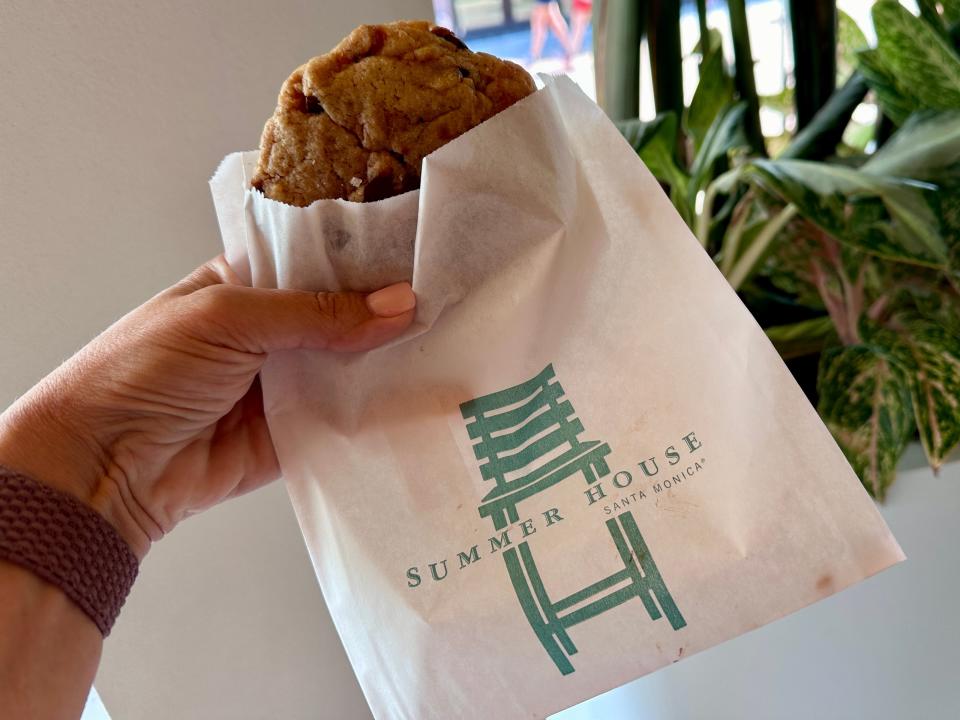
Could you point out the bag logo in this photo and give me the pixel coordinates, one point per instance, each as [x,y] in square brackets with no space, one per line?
[527,439]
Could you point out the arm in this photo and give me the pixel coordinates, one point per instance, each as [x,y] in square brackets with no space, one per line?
[49,648]
[158,418]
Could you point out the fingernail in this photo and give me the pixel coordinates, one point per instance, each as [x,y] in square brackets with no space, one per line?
[392,300]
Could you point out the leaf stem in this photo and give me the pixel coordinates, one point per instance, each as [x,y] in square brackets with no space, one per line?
[618,29]
[704,30]
[846,307]
[875,311]
[851,293]
[752,255]
[855,300]
[832,302]
[724,183]
[743,73]
[731,242]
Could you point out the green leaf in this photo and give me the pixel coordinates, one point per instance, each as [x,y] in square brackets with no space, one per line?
[857,137]
[928,11]
[932,355]
[802,338]
[948,211]
[948,315]
[714,92]
[789,268]
[927,143]
[618,27]
[713,38]
[896,102]
[750,258]
[865,401]
[655,142]
[885,216]
[920,58]
[725,135]
[747,219]
[640,132]
[825,130]
[783,101]
[951,10]
[850,39]
[927,148]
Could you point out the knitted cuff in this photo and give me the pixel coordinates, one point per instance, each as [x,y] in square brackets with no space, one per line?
[66,543]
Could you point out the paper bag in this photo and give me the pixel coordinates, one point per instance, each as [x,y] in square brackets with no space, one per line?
[584,462]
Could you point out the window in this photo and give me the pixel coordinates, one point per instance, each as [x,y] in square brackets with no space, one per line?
[544,37]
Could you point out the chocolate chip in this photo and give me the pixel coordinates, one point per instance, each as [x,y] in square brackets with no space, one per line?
[377,41]
[397,156]
[444,33]
[379,188]
[313,106]
[410,181]
[464,73]
[389,184]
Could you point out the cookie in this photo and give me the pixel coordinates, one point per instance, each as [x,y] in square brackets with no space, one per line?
[357,122]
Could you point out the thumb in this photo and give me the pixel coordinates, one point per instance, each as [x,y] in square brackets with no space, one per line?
[261,320]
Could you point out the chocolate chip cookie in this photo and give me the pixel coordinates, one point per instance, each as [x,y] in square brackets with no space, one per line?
[357,122]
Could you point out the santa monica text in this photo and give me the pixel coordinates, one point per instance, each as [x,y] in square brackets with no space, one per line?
[619,490]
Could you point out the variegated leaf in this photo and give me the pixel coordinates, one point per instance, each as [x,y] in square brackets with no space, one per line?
[850,39]
[927,147]
[919,56]
[951,10]
[725,135]
[865,401]
[714,91]
[928,11]
[896,101]
[654,142]
[930,354]
[885,216]
[803,337]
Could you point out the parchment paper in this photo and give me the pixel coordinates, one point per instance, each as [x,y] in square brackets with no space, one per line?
[539,246]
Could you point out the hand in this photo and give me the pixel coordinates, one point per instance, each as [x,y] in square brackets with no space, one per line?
[161,416]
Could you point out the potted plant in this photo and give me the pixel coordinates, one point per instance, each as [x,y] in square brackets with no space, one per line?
[846,247]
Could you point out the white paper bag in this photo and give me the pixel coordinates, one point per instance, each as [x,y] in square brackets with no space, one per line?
[584,462]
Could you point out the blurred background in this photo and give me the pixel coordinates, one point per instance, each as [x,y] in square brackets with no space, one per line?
[813,149]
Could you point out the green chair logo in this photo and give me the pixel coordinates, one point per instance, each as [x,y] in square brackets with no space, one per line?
[527,439]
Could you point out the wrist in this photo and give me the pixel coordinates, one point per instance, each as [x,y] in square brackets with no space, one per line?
[41,444]
[49,648]
[67,544]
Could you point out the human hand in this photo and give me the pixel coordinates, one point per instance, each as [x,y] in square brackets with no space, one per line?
[161,416]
